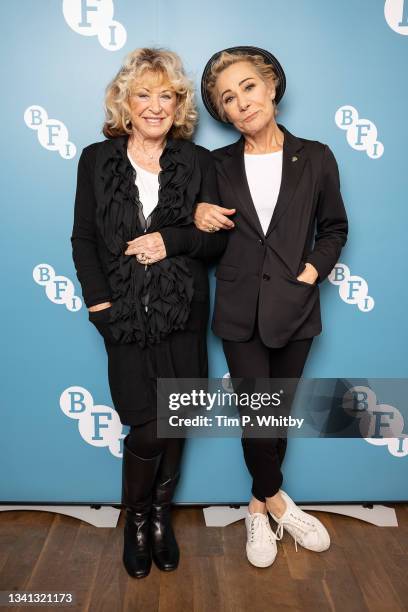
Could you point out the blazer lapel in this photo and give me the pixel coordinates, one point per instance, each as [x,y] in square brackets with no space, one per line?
[234,166]
[293,163]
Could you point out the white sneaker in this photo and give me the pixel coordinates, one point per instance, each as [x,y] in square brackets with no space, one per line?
[304,528]
[261,546]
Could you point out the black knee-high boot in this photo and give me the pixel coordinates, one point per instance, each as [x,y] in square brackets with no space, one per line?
[138,477]
[165,549]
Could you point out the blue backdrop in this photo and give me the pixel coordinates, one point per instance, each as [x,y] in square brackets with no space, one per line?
[345,87]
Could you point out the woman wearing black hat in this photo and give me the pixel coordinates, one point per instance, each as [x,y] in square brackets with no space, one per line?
[137,256]
[277,187]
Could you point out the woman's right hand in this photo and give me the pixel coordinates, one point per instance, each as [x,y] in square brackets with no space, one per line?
[211,218]
[100,306]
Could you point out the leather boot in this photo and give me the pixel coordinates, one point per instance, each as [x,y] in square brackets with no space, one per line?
[138,477]
[165,550]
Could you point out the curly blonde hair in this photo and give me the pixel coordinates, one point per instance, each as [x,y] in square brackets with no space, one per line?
[164,64]
[226,59]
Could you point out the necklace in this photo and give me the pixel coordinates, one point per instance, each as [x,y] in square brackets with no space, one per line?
[141,149]
[151,156]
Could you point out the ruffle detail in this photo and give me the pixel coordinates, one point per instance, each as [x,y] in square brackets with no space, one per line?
[166,286]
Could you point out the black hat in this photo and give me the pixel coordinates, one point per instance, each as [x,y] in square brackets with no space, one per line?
[269,59]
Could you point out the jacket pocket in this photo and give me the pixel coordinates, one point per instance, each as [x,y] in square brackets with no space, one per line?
[226,273]
[304,283]
[101,320]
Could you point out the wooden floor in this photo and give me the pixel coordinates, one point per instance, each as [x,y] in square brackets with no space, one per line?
[366,567]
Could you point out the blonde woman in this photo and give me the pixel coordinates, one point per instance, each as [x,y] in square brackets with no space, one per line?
[141,264]
[287,225]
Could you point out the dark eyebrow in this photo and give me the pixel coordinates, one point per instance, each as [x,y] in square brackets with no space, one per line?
[240,83]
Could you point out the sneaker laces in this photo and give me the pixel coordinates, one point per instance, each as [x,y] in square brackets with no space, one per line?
[259,525]
[301,525]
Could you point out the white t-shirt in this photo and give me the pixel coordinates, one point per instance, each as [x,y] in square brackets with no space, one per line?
[148,186]
[264,175]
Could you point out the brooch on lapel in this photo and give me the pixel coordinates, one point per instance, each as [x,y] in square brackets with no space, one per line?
[294,158]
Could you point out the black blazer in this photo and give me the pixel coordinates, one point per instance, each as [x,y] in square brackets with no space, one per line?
[257,272]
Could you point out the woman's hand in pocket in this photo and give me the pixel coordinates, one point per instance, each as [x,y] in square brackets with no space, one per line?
[309,274]
[100,317]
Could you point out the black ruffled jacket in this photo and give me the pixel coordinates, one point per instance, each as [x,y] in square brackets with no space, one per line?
[108,213]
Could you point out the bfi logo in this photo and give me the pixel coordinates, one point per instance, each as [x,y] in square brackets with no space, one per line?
[361,134]
[95,18]
[396,15]
[52,134]
[379,424]
[352,289]
[58,289]
[98,425]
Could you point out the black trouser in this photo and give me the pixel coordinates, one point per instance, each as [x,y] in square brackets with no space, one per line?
[143,441]
[252,359]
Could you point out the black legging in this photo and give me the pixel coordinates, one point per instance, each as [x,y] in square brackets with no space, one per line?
[143,441]
[252,359]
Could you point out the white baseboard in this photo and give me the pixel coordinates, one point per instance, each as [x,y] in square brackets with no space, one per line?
[382,516]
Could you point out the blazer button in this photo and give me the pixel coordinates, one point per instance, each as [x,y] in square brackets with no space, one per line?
[266,277]
[261,241]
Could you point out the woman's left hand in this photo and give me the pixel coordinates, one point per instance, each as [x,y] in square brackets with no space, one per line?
[148,249]
[309,274]
[212,218]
